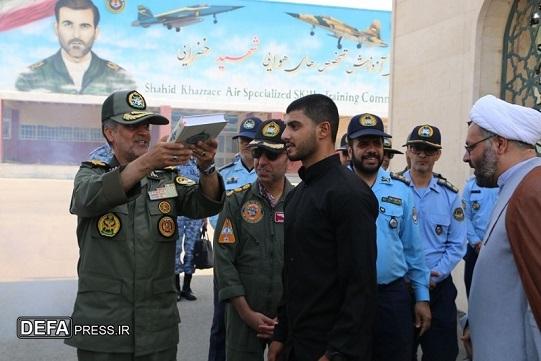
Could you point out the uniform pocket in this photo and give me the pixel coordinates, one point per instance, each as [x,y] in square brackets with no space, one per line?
[163,304]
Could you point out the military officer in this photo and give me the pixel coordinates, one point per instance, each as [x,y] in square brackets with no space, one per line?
[235,174]
[75,69]
[478,205]
[443,230]
[126,232]
[388,153]
[400,249]
[248,245]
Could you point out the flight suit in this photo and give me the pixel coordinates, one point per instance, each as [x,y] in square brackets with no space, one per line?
[127,255]
[248,251]
[51,75]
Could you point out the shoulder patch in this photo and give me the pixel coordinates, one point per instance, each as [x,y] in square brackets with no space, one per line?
[95,163]
[444,182]
[37,65]
[400,177]
[227,236]
[113,66]
[228,165]
[183,181]
[458,214]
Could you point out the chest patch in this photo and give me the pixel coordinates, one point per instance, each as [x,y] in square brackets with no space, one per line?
[167,226]
[252,211]
[109,225]
[392,200]
[164,207]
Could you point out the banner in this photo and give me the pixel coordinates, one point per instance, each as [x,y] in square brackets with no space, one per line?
[225,55]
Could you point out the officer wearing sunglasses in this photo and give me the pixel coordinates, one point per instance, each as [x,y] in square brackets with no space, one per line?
[442,227]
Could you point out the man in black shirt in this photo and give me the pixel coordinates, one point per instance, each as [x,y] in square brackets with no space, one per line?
[328,306]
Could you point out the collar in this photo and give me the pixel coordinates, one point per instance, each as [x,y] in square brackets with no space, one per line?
[505,176]
[433,184]
[319,169]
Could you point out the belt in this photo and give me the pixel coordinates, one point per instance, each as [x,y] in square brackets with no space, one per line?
[394,283]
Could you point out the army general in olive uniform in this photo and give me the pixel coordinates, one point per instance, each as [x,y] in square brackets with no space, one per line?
[75,69]
[248,245]
[126,230]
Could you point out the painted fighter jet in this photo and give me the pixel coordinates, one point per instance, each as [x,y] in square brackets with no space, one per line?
[341,30]
[180,17]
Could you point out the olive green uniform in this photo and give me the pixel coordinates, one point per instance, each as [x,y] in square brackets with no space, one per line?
[51,75]
[127,255]
[248,244]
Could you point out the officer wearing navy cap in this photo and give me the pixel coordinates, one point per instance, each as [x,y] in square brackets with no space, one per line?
[399,246]
[342,151]
[388,153]
[235,174]
[250,236]
[126,232]
[443,229]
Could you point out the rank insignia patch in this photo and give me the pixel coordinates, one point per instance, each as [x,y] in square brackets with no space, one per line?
[108,225]
[475,206]
[164,207]
[252,211]
[167,226]
[226,234]
[439,230]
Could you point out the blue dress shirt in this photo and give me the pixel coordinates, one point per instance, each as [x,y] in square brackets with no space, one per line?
[478,205]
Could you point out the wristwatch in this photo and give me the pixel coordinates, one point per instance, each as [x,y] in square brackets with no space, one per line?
[209,170]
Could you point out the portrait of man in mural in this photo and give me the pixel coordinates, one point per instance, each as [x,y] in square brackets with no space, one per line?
[75,68]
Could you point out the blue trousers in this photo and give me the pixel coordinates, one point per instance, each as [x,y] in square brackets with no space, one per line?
[189,230]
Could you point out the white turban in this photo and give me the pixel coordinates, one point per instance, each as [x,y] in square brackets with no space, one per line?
[509,121]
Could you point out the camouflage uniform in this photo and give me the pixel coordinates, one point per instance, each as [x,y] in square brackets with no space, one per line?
[51,75]
[127,248]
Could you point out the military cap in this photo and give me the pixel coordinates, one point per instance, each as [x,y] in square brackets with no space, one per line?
[128,107]
[343,143]
[425,134]
[269,136]
[388,146]
[366,124]
[248,128]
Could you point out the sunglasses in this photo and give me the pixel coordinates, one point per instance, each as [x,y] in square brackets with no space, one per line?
[428,151]
[258,152]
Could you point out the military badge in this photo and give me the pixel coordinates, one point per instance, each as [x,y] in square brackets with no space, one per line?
[475,206]
[164,207]
[108,225]
[279,217]
[393,223]
[115,6]
[183,181]
[382,210]
[393,200]
[439,230]
[425,131]
[134,115]
[226,234]
[136,100]
[248,124]
[414,215]
[167,226]
[252,211]
[367,120]
[270,130]
[458,214]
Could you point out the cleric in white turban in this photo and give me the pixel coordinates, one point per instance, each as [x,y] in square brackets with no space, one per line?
[510,121]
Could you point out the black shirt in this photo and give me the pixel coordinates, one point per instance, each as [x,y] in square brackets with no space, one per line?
[330,265]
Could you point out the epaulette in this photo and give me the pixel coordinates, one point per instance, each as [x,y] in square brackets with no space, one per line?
[171,168]
[113,66]
[95,163]
[226,166]
[438,175]
[401,173]
[239,189]
[400,177]
[37,65]
[444,182]
[183,181]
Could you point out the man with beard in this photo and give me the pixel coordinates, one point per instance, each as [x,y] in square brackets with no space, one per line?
[126,230]
[248,248]
[329,301]
[400,250]
[443,231]
[505,296]
[75,69]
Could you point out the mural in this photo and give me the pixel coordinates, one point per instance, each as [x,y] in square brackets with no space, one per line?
[227,54]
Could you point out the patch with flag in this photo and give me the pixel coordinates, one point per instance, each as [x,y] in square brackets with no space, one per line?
[279,217]
[226,234]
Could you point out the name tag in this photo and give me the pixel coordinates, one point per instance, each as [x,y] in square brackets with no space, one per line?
[279,217]
[167,191]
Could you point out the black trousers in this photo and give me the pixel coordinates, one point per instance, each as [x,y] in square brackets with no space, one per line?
[166,355]
[440,342]
[470,259]
[393,330]
[217,330]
